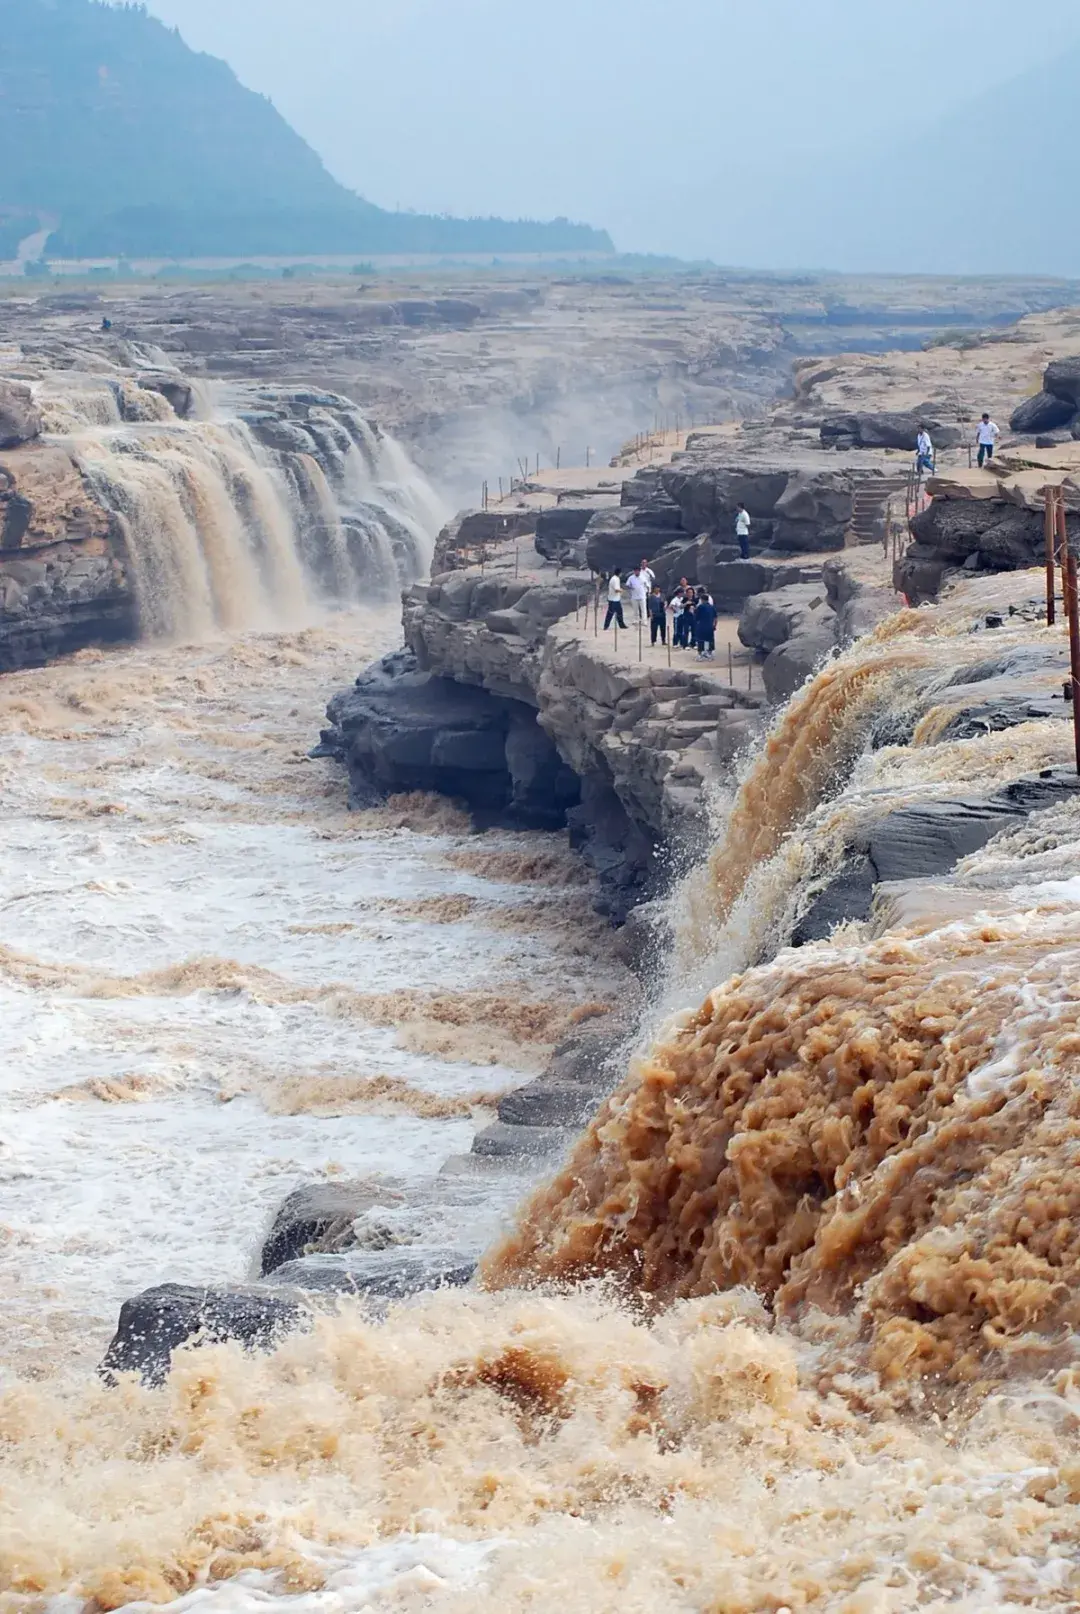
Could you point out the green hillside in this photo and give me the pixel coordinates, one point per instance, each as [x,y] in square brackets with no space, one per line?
[133,145]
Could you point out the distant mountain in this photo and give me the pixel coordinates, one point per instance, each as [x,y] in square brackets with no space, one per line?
[132,145]
[992,187]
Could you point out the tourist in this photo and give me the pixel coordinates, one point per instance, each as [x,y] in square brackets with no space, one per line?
[646,571]
[681,615]
[639,594]
[705,627]
[924,452]
[986,437]
[614,603]
[657,617]
[742,531]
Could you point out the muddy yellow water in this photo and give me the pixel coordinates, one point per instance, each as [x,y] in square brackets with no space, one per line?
[793,1329]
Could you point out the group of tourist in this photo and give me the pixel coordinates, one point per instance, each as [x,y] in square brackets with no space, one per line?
[693,611]
[986,435]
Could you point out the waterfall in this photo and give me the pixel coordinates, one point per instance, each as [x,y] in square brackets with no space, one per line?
[252,519]
[872,1124]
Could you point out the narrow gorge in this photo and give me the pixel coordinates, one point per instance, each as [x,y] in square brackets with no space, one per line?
[575,1126]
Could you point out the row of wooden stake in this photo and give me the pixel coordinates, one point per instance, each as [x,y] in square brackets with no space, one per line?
[1059,553]
[594,602]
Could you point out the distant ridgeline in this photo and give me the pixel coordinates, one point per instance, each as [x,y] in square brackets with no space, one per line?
[132,145]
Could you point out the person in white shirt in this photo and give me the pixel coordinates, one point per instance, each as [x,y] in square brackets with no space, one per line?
[614,602]
[639,593]
[742,531]
[924,450]
[986,437]
[646,571]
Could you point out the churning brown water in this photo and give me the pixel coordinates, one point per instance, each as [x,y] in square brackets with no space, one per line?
[807,1340]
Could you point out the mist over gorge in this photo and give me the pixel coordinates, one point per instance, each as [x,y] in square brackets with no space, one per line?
[529,1084]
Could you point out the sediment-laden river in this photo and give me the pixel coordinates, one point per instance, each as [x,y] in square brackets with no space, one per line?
[216,981]
[794,1329]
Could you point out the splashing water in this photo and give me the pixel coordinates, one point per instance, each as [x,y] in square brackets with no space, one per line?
[224,534]
[881,1131]
[868,1147]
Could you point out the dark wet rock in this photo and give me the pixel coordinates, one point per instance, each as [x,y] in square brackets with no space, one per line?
[1005,536]
[283,436]
[848,895]
[925,840]
[20,418]
[395,1275]
[788,667]
[318,1219]
[501,1141]
[176,391]
[402,729]
[1043,413]
[588,1054]
[771,619]
[156,1323]
[548,1104]
[919,573]
[56,601]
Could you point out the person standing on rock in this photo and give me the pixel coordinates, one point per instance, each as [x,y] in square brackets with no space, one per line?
[742,531]
[986,437]
[657,617]
[614,603]
[924,452]
[637,588]
[705,627]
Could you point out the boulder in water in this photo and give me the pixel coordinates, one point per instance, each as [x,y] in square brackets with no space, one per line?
[156,1323]
[319,1218]
[20,418]
[394,1275]
[177,392]
[505,1142]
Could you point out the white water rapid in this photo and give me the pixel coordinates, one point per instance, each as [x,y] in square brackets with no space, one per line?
[253,513]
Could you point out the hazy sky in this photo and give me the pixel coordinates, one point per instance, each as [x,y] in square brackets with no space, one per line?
[657,120]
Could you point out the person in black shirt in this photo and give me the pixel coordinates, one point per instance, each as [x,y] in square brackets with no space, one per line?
[657,617]
[705,627]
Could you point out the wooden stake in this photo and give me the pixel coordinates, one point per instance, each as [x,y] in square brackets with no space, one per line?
[1050,534]
[1074,642]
